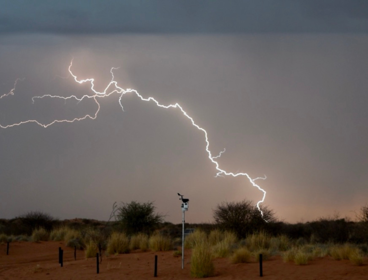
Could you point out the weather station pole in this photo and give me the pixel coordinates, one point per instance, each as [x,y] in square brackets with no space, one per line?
[184,207]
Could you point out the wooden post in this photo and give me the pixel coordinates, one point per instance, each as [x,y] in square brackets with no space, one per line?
[155,273]
[97,264]
[260,266]
[62,256]
[7,248]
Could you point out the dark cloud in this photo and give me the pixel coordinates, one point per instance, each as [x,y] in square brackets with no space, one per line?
[190,16]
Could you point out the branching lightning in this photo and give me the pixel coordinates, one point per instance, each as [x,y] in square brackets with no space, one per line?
[114,88]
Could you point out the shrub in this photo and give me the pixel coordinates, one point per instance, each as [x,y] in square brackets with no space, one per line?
[158,242]
[35,219]
[198,236]
[40,234]
[91,250]
[118,243]
[241,217]
[280,243]
[19,238]
[138,217]
[201,264]
[241,255]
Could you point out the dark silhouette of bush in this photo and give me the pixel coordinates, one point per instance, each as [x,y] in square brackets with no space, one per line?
[242,218]
[26,223]
[136,217]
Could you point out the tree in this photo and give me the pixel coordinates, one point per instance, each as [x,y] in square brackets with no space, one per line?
[363,215]
[138,217]
[242,217]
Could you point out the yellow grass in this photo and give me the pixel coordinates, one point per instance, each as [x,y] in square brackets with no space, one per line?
[215,236]
[58,234]
[158,242]
[201,264]
[118,243]
[241,255]
[258,241]
[91,249]
[139,241]
[198,236]
[40,234]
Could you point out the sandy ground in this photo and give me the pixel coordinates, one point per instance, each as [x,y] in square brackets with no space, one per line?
[28,260]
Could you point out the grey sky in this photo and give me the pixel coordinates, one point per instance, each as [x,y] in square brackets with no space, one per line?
[281,85]
[189,16]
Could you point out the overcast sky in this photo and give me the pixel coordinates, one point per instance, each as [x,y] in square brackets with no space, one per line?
[282,85]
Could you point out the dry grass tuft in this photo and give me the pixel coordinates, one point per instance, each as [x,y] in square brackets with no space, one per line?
[40,234]
[215,237]
[91,249]
[197,237]
[241,255]
[139,241]
[158,242]
[201,261]
[258,241]
[118,243]
[58,234]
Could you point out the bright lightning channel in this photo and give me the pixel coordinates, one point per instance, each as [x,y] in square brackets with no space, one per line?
[113,88]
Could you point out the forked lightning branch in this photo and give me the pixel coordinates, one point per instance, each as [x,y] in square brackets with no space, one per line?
[113,88]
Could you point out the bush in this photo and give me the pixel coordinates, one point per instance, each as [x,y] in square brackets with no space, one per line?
[302,258]
[241,255]
[36,219]
[158,242]
[138,217]
[40,234]
[118,243]
[201,264]
[341,252]
[242,217]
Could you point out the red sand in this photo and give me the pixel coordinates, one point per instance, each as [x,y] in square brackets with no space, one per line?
[28,260]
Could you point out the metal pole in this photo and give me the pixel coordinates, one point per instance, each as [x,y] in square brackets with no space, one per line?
[183,240]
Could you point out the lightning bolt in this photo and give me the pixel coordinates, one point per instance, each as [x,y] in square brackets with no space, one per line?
[114,88]
[11,92]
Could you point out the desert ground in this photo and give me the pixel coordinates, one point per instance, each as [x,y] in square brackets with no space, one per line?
[28,260]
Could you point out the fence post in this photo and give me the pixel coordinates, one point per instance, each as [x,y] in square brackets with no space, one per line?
[61,259]
[155,273]
[97,264]
[7,248]
[260,266]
